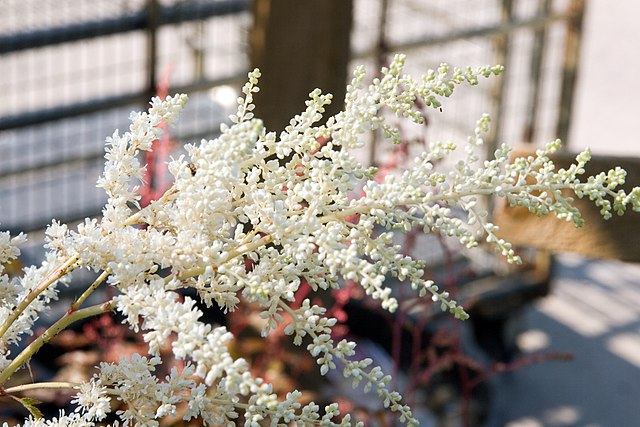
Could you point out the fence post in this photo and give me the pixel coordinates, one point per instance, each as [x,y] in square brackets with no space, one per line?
[299,46]
[570,68]
[498,92]
[381,60]
[502,56]
[535,75]
[152,24]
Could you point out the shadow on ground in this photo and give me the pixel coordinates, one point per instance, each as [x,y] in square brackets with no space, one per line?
[594,313]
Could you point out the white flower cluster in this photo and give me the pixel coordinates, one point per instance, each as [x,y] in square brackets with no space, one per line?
[253,214]
[23,298]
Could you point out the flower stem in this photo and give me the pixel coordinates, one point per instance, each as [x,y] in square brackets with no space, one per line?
[59,272]
[53,330]
[77,303]
[40,386]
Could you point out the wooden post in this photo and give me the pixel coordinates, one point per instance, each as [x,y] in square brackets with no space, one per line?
[153,22]
[570,68]
[535,74]
[498,94]
[299,46]
[381,60]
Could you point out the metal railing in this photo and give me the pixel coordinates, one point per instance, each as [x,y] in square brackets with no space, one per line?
[153,18]
[156,16]
[149,20]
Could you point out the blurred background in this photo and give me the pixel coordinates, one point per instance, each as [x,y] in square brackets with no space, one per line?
[72,70]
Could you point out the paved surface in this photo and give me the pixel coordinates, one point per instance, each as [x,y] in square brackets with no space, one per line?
[594,313]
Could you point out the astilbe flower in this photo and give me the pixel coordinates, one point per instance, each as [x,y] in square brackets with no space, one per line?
[250,216]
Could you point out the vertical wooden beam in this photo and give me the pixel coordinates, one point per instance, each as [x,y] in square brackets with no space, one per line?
[498,92]
[152,25]
[498,95]
[535,75]
[195,42]
[381,51]
[570,68]
[299,46]
[153,22]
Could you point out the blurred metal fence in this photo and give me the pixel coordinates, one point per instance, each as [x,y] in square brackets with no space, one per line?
[538,42]
[71,70]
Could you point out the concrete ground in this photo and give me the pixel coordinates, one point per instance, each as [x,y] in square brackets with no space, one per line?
[594,314]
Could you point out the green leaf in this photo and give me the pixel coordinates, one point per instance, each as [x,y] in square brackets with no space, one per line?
[30,405]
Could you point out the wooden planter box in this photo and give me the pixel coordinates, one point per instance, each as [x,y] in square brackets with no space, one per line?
[616,238]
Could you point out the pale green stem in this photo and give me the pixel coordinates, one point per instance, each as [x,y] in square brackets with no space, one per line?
[50,386]
[41,386]
[62,270]
[60,325]
[52,277]
[77,303]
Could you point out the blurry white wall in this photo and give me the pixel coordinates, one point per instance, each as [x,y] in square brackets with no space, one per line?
[607,110]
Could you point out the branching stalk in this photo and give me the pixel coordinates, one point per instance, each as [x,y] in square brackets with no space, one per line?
[60,325]
[59,272]
[101,278]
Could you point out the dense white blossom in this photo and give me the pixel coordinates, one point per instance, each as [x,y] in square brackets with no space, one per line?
[253,214]
[93,401]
